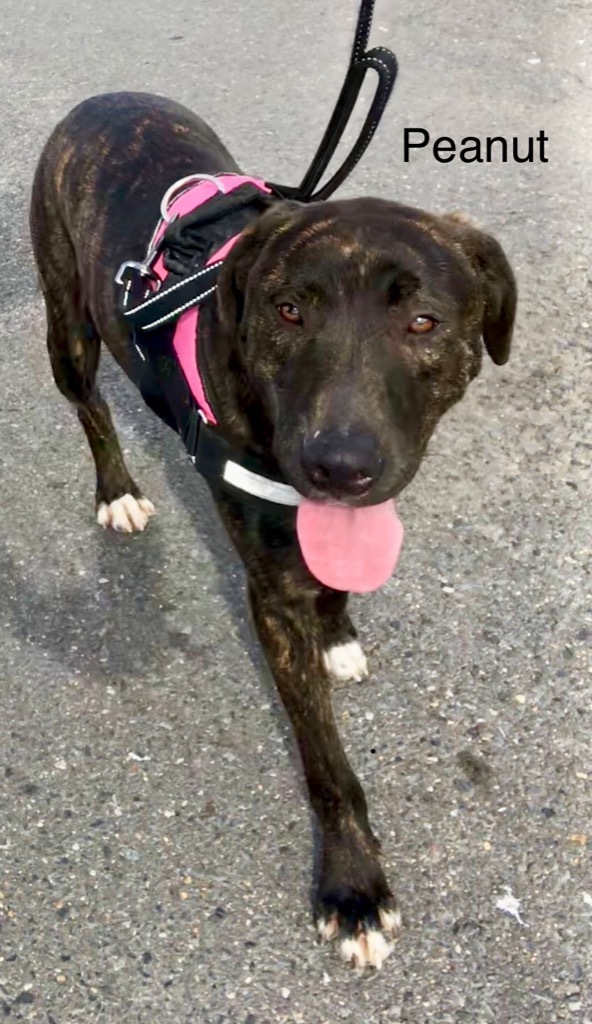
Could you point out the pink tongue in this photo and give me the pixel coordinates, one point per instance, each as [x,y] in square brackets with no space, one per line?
[353,549]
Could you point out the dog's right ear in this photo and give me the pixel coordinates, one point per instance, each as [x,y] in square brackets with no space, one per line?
[234,275]
[498,284]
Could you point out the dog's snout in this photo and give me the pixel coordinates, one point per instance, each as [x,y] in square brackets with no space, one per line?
[342,463]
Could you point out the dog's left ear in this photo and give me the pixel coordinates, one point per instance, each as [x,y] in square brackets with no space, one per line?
[498,282]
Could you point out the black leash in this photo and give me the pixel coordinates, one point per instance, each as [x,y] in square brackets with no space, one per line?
[382,61]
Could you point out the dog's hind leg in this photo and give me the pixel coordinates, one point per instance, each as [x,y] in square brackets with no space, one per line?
[343,656]
[74,349]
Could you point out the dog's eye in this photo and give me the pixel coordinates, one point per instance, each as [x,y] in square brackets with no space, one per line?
[290,313]
[422,325]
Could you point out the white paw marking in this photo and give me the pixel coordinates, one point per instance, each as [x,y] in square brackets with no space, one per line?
[328,928]
[367,949]
[346,661]
[370,947]
[390,921]
[126,514]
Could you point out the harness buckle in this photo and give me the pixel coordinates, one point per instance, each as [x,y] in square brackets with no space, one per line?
[142,269]
[128,274]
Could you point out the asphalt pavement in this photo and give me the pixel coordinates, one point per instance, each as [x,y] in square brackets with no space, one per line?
[155,841]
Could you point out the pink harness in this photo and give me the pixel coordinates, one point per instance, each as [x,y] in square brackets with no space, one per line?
[185,341]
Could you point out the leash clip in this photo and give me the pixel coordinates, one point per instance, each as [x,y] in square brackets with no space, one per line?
[127,274]
[143,269]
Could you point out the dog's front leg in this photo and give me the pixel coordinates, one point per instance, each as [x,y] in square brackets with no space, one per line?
[353,900]
[343,657]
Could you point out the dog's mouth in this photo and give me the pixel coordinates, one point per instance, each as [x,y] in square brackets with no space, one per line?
[349,548]
[352,496]
[349,533]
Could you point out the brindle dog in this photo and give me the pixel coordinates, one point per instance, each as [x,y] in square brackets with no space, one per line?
[358,322]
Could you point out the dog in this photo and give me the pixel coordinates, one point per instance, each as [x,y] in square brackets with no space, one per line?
[338,335]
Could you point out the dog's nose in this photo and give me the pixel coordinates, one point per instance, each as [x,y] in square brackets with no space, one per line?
[342,463]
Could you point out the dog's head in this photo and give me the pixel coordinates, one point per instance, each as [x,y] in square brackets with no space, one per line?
[359,323]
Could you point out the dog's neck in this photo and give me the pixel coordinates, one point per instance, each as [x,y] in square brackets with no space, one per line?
[238,407]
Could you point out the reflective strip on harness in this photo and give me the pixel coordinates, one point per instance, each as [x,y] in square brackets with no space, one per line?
[260,486]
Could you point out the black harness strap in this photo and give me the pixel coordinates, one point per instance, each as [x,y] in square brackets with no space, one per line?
[211,454]
[192,239]
[155,308]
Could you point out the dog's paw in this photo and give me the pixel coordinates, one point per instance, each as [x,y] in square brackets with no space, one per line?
[346,661]
[126,514]
[364,941]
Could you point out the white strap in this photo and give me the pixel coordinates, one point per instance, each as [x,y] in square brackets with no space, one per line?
[260,486]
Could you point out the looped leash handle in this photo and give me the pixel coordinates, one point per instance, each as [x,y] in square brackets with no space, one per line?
[385,64]
[382,61]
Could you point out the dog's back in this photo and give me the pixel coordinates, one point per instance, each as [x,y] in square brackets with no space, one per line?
[105,166]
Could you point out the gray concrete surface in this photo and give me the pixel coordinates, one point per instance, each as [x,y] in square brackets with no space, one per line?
[155,843]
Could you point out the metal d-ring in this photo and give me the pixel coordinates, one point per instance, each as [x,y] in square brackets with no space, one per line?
[170,192]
